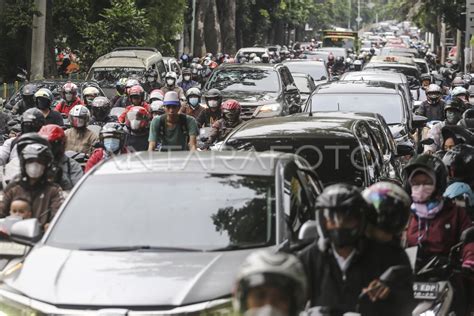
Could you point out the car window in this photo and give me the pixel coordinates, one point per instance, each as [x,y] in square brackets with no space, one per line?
[286,77]
[303,84]
[297,205]
[107,77]
[316,70]
[370,151]
[227,210]
[245,79]
[175,68]
[161,69]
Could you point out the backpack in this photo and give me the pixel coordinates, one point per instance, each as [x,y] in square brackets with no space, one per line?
[182,122]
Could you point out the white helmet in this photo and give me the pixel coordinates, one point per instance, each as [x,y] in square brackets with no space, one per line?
[458,91]
[193,91]
[279,269]
[90,93]
[171,74]
[257,60]
[79,116]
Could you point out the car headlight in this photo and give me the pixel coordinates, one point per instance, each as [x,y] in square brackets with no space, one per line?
[219,310]
[272,107]
[9,307]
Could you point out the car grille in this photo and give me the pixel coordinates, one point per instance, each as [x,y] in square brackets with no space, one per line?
[247,111]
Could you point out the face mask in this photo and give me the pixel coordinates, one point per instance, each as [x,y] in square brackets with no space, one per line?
[135,125]
[68,97]
[34,169]
[343,237]
[452,118]
[78,122]
[212,103]
[42,103]
[112,144]
[150,79]
[267,310]
[427,210]
[193,102]
[170,82]
[187,78]
[421,193]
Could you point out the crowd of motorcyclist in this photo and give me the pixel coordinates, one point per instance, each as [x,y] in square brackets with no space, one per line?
[359,234]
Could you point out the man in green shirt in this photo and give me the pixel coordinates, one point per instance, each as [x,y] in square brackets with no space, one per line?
[172,130]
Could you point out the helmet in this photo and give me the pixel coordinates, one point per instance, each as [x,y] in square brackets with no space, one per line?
[151,75]
[330,57]
[459,91]
[136,91]
[457,82]
[424,77]
[29,90]
[280,270]
[156,107]
[35,152]
[89,93]
[256,60]
[339,60]
[171,75]
[120,85]
[390,206]
[186,72]
[131,83]
[43,98]
[100,108]
[431,164]
[193,91]
[56,138]
[231,105]
[113,130]
[433,92]
[32,120]
[79,116]
[231,111]
[156,94]
[337,203]
[455,104]
[69,91]
[467,120]
[462,163]
[215,97]
[137,119]
[193,96]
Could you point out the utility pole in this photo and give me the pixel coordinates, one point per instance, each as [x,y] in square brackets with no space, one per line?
[469,33]
[443,41]
[359,19]
[38,41]
[193,23]
[350,11]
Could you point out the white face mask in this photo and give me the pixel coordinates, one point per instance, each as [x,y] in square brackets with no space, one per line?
[212,103]
[135,125]
[187,78]
[170,82]
[34,169]
[267,310]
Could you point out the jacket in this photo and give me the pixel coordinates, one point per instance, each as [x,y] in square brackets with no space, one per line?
[330,287]
[207,118]
[70,173]
[192,112]
[219,131]
[64,107]
[97,156]
[123,116]
[46,198]
[80,140]
[436,236]
[434,112]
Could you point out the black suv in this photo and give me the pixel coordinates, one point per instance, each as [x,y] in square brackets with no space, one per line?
[263,90]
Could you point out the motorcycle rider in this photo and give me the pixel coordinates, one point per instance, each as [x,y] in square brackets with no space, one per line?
[45,196]
[433,107]
[388,214]
[79,138]
[157,108]
[31,121]
[213,112]
[44,98]
[137,98]
[151,81]
[124,100]
[170,79]
[342,263]
[112,137]
[462,94]
[70,99]
[137,122]
[88,95]
[120,90]
[100,110]
[67,171]
[453,114]
[230,119]
[270,283]
[437,223]
[27,99]
[156,95]
[187,82]
[193,105]
[467,120]
[173,131]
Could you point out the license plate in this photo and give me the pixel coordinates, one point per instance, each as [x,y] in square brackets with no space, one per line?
[425,290]
[11,249]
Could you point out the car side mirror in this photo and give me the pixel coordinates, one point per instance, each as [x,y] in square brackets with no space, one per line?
[308,231]
[419,121]
[291,88]
[359,182]
[404,150]
[323,78]
[26,232]
[467,236]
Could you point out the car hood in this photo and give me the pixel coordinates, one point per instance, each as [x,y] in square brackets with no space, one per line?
[107,279]
[250,97]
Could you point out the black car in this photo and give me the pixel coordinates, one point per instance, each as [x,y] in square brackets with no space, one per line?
[339,148]
[385,98]
[263,90]
[128,242]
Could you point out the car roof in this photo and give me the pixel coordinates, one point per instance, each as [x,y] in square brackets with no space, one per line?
[248,66]
[242,163]
[129,58]
[375,74]
[329,125]
[253,49]
[393,60]
[303,61]
[358,87]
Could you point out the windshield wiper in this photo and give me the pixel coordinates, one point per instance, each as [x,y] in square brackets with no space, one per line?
[241,247]
[140,248]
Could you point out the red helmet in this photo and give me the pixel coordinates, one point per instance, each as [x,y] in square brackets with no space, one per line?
[231,105]
[136,90]
[70,88]
[330,57]
[56,138]
[137,119]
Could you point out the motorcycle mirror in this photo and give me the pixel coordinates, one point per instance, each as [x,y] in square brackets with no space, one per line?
[308,231]
[467,235]
[396,274]
[427,141]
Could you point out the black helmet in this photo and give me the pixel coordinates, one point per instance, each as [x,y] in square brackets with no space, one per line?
[29,90]
[429,163]
[29,138]
[213,94]
[341,202]
[339,60]
[100,108]
[467,120]
[32,120]
[186,71]
[390,206]
[454,104]
[462,163]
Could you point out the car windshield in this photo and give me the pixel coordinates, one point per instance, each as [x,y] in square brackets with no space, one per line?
[315,70]
[107,77]
[245,80]
[302,84]
[387,105]
[193,211]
